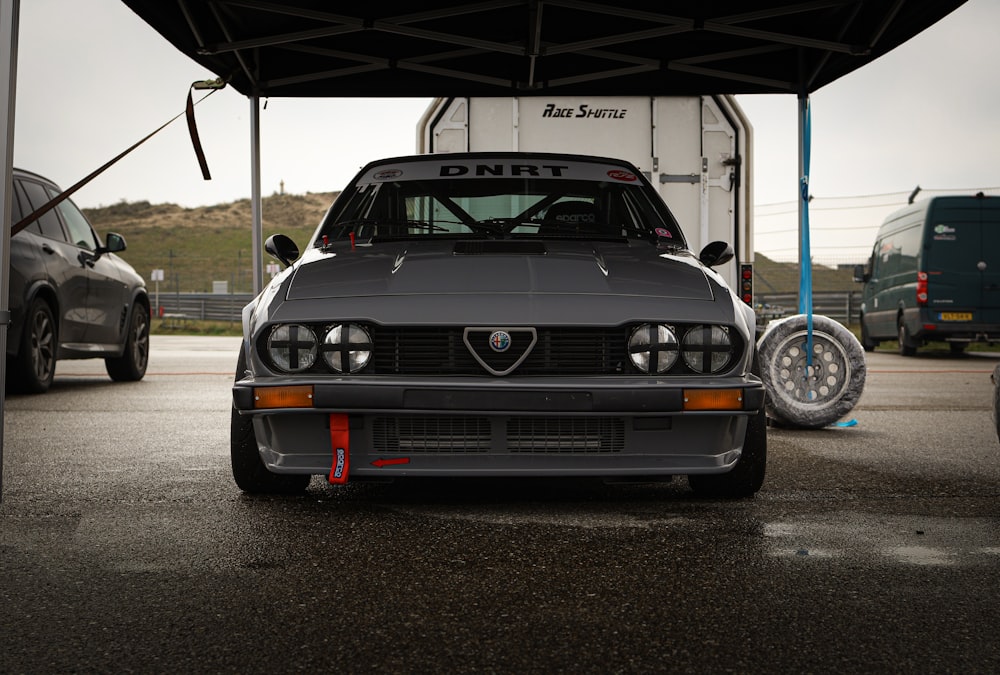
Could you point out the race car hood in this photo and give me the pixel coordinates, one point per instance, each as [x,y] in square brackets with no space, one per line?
[414,268]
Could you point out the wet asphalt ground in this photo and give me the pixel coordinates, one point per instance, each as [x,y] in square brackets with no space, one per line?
[126,547]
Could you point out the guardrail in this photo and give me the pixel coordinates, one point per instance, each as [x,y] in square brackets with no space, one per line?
[177,307]
[842,306]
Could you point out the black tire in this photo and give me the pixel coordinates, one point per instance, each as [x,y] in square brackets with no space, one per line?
[249,472]
[867,343]
[35,367]
[907,347]
[747,477]
[810,395]
[131,365]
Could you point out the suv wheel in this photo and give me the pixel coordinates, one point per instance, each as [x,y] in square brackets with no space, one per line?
[36,362]
[131,365]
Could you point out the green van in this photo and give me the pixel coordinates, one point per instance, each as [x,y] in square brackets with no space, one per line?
[934,275]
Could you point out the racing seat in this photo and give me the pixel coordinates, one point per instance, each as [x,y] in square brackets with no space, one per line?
[569,218]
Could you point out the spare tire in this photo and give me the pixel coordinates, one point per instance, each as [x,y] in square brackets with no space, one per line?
[810,393]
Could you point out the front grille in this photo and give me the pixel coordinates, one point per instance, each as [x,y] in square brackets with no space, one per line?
[460,351]
[431,434]
[565,435]
[475,435]
[442,351]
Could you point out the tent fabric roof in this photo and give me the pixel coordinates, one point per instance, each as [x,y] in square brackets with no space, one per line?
[396,48]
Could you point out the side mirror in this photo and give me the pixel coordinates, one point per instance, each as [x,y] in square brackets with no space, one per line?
[860,275]
[283,248]
[114,243]
[716,253]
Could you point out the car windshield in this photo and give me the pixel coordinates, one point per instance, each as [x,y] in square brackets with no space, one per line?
[499,199]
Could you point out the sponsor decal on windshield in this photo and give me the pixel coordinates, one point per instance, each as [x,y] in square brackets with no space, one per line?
[488,168]
[515,170]
[621,174]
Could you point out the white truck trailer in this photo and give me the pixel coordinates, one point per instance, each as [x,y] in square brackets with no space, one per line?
[696,149]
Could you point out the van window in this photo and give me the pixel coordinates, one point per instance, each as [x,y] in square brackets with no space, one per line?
[897,253]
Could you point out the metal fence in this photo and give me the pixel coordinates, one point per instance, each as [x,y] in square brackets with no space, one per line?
[842,306]
[175,307]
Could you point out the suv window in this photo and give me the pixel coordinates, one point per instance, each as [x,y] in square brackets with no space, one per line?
[49,222]
[17,212]
[80,232]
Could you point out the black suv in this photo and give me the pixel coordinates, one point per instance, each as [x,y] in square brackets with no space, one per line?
[71,297]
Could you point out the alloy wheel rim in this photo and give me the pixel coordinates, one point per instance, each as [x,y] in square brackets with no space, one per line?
[818,384]
[42,346]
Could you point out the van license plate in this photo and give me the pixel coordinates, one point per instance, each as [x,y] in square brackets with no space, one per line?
[956,316]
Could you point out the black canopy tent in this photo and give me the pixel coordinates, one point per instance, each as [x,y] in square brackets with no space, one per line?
[302,48]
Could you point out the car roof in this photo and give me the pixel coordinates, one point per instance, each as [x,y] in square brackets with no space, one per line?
[24,173]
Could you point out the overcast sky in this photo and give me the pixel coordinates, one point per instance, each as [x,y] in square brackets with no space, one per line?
[93,79]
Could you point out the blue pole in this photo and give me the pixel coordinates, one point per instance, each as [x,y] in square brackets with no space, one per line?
[805,257]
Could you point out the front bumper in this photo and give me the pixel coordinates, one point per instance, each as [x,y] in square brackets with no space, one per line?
[490,427]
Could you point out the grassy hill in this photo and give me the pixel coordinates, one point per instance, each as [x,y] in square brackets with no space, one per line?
[196,246]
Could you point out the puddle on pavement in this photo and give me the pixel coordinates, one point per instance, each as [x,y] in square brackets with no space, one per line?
[905,540]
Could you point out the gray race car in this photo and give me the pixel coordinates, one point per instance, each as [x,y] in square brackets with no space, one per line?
[498,314]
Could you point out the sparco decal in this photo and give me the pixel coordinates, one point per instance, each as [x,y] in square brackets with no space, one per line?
[502,170]
[584,110]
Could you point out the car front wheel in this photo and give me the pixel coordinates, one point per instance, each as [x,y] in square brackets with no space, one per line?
[131,365]
[36,362]
[249,472]
[744,479]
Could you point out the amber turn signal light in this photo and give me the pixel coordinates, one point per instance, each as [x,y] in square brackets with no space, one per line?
[713,399]
[297,396]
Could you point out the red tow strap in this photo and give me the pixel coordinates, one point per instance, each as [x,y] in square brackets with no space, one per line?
[340,444]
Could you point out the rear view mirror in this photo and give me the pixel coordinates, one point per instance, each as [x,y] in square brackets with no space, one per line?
[860,274]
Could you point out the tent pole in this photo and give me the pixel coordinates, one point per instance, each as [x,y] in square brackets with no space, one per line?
[805,255]
[255,199]
[9,10]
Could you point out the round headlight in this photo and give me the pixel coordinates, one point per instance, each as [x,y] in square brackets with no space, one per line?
[707,349]
[653,348]
[292,347]
[347,348]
